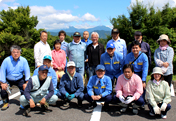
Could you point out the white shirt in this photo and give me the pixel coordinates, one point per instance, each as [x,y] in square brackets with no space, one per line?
[40,50]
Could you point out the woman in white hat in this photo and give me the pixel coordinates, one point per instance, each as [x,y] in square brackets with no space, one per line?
[163,57]
[158,94]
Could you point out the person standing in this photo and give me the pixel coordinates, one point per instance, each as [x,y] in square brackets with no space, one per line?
[62,35]
[94,52]
[76,52]
[145,47]
[58,59]
[120,44]
[41,49]
[12,70]
[163,57]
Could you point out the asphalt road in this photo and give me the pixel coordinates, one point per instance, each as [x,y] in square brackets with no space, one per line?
[13,113]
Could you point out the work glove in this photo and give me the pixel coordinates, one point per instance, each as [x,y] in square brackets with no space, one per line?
[66,95]
[122,99]
[163,107]
[70,97]
[157,110]
[129,100]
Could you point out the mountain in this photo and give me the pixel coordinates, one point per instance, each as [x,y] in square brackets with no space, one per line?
[102,31]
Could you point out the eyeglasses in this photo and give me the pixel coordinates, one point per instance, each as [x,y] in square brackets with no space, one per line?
[15,52]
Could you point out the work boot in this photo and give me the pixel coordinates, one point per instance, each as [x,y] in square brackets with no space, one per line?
[124,107]
[27,109]
[106,107]
[80,104]
[91,106]
[44,108]
[5,104]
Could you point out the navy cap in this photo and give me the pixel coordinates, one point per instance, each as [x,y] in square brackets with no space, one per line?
[43,67]
[114,30]
[47,57]
[76,34]
[100,67]
[138,33]
[110,45]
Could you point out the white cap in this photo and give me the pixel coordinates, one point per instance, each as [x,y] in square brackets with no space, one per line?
[157,70]
[70,63]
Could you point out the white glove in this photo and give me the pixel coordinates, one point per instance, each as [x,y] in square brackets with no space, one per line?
[129,100]
[163,107]
[157,110]
[122,99]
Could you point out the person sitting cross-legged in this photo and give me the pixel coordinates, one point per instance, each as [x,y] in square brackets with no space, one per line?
[99,88]
[129,89]
[71,86]
[38,90]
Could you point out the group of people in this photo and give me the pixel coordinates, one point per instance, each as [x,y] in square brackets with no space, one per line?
[56,76]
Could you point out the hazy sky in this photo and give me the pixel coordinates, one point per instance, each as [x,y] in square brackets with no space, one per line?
[58,14]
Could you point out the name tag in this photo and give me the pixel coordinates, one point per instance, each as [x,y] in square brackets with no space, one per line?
[95,87]
[140,63]
[131,63]
[106,63]
[117,62]
[103,87]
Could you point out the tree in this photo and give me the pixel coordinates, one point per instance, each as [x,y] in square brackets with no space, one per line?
[17,27]
[151,22]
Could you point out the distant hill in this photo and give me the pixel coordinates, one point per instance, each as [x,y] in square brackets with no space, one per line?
[103,31]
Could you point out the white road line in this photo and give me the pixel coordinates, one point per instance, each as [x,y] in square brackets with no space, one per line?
[96,112]
[14,95]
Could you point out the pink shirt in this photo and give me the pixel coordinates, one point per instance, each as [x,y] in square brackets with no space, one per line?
[132,87]
[58,58]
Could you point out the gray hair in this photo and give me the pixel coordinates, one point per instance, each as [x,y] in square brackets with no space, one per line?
[15,47]
[42,32]
[95,33]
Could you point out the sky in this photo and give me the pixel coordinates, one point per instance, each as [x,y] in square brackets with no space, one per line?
[60,14]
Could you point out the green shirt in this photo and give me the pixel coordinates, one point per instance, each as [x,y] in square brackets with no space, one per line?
[158,93]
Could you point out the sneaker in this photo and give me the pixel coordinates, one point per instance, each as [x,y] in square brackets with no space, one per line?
[122,110]
[26,111]
[66,104]
[163,116]
[5,106]
[151,114]
[135,111]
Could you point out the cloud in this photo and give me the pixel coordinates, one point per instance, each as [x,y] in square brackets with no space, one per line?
[48,15]
[76,7]
[156,3]
[5,4]
[84,26]
[89,17]
[110,26]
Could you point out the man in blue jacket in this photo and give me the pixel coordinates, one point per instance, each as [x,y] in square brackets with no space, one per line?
[99,88]
[113,62]
[71,86]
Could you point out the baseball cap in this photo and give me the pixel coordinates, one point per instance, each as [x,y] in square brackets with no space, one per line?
[47,57]
[138,33]
[110,45]
[70,63]
[115,30]
[100,67]
[76,34]
[43,67]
